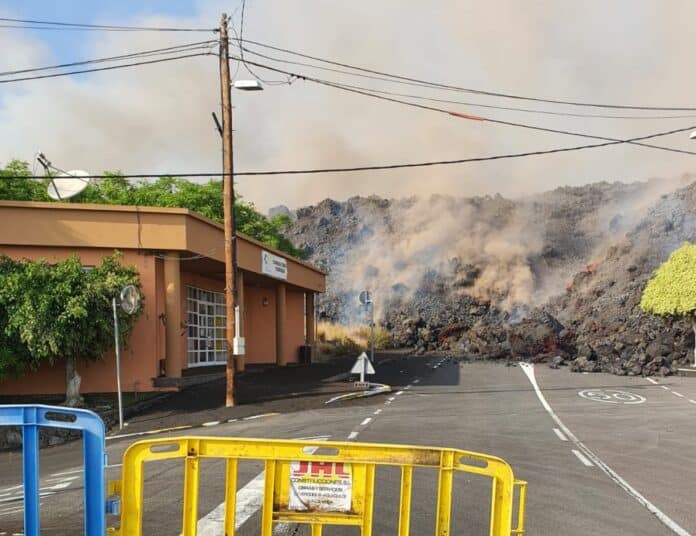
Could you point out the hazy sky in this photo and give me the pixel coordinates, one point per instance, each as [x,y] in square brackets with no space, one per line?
[157,118]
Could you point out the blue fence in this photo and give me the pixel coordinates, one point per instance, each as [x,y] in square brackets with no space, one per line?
[30,418]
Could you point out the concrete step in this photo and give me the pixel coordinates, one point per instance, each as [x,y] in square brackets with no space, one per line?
[688,371]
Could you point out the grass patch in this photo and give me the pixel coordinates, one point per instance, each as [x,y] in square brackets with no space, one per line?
[337,339]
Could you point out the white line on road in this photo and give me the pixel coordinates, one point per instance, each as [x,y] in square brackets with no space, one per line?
[399,393]
[378,411]
[677,394]
[528,369]
[352,435]
[582,458]
[249,500]
[651,380]
[391,398]
[366,421]
[692,401]
[67,472]
[62,479]
[665,387]
[560,434]
[407,387]
[417,380]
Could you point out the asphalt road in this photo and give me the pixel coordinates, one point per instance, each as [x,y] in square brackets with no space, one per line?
[602,454]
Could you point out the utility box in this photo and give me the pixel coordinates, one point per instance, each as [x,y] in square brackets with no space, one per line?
[238,346]
[305,354]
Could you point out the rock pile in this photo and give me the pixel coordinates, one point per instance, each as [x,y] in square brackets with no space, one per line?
[564,289]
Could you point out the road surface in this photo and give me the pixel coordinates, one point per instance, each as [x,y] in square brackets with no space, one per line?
[603,454]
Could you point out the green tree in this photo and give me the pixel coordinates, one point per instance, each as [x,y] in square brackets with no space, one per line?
[61,311]
[671,293]
[15,188]
[203,198]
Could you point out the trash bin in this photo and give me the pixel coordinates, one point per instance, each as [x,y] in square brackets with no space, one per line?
[305,354]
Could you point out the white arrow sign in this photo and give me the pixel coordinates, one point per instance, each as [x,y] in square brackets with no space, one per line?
[362,366]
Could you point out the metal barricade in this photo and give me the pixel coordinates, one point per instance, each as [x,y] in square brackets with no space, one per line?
[316,483]
[30,418]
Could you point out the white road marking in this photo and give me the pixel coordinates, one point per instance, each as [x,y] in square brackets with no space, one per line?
[399,393]
[352,435]
[378,411]
[62,479]
[249,501]
[528,369]
[677,394]
[417,380]
[665,387]
[560,434]
[692,401]
[366,421]
[407,387]
[391,398]
[582,458]
[211,423]
[67,472]
[651,380]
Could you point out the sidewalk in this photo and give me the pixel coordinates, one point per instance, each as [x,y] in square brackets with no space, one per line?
[259,391]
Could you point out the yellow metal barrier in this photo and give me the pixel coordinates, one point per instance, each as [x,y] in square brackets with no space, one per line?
[317,482]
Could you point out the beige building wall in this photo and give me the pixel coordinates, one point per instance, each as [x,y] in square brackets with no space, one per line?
[171,249]
[140,358]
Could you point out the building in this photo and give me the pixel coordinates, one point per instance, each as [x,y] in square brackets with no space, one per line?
[179,255]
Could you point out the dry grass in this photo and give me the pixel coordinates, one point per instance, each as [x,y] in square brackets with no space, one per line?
[339,339]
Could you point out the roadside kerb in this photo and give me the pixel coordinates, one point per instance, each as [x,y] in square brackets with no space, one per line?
[374,389]
[207,424]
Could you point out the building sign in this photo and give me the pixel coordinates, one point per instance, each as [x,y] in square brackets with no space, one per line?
[274,265]
[320,486]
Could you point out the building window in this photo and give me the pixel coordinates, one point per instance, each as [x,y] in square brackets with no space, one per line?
[205,320]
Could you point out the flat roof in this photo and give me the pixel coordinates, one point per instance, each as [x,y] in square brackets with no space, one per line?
[61,224]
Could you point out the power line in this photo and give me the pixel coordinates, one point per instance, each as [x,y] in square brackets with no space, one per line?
[47,24]
[153,52]
[109,68]
[240,39]
[368,93]
[375,167]
[451,87]
[471,104]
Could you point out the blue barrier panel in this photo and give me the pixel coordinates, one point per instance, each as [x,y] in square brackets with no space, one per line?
[30,418]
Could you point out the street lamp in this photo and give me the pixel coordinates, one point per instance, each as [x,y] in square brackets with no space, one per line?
[247,85]
[129,300]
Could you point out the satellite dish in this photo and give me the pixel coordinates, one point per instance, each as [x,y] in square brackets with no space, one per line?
[67,185]
[130,299]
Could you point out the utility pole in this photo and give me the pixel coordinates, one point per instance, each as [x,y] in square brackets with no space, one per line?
[228,208]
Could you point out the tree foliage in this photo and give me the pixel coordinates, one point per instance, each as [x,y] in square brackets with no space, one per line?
[15,188]
[203,198]
[63,310]
[672,290]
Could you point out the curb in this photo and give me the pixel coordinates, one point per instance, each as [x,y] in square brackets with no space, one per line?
[190,426]
[375,389]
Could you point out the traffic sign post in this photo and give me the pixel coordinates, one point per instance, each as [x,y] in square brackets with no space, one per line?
[365,298]
[363,366]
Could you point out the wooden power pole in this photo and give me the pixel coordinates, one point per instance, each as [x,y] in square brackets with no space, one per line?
[228,208]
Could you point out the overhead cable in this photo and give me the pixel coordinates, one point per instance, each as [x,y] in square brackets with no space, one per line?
[451,87]
[144,53]
[109,68]
[375,167]
[471,104]
[368,93]
[48,24]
